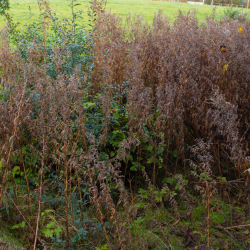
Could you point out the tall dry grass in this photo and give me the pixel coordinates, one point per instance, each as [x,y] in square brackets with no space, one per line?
[181,87]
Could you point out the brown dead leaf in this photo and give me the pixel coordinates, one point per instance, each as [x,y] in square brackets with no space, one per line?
[151,224]
[140,212]
[154,244]
[176,222]
[116,245]
[187,241]
[185,215]
[175,231]
[246,232]
[17,219]
[43,189]
[223,246]
[31,238]
[204,246]
[218,235]
[5,218]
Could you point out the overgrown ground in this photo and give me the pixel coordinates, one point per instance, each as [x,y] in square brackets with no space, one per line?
[122,136]
[26,11]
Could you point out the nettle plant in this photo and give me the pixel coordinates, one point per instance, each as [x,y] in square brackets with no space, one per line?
[175,183]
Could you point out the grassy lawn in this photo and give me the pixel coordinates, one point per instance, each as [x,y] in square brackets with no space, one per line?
[20,9]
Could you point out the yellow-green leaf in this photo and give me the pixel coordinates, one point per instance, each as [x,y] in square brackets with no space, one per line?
[240,30]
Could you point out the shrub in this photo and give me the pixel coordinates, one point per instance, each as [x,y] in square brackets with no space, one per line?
[235,14]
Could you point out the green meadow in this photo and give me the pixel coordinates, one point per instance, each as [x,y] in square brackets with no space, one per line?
[26,11]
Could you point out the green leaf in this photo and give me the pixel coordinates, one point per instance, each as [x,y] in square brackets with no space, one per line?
[159,151]
[170,181]
[51,224]
[204,176]
[88,105]
[133,168]
[15,169]
[149,148]
[178,186]
[175,153]
[17,180]
[139,220]
[163,191]
[49,211]
[15,226]
[112,154]
[19,225]
[48,233]
[57,231]
[150,160]
[142,191]
[158,199]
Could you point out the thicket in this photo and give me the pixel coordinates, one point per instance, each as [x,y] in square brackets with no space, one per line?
[90,116]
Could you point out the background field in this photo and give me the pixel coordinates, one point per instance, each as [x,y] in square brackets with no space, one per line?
[20,9]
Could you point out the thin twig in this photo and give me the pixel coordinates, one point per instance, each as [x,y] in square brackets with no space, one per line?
[221,228]
[26,220]
[133,213]
[248,225]
[40,194]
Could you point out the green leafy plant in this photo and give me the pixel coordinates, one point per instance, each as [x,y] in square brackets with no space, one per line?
[51,230]
[138,221]
[235,14]
[104,247]
[20,225]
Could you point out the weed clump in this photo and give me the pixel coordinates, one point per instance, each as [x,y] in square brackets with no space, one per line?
[91,117]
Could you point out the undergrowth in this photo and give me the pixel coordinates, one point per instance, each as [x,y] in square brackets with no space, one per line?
[102,126]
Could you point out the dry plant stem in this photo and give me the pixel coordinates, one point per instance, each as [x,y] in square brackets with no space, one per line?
[28,189]
[208,215]
[25,220]
[66,198]
[40,195]
[231,228]
[106,235]
[80,193]
[239,226]
[133,214]
[154,164]
[12,138]
[64,220]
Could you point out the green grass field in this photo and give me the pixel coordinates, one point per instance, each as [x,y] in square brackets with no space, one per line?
[20,9]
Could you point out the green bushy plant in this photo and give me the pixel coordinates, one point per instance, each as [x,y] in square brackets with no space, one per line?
[235,14]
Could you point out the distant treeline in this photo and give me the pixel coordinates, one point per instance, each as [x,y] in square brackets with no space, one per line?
[223,2]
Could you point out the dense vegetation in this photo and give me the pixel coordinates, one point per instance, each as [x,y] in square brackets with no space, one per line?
[123,135]
[27,11]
